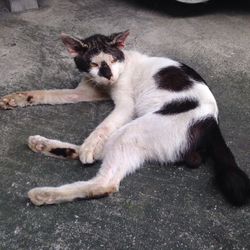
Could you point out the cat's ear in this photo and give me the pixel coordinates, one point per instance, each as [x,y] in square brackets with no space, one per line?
[118,39]
[73,44]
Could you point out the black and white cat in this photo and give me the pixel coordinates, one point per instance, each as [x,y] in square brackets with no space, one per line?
[163,111]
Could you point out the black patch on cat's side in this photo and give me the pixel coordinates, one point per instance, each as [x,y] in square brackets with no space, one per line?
[172,78]
[178,106]
[64,152]
[105,71]
[192,73]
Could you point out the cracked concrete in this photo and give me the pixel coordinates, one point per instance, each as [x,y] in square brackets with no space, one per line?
[158,207]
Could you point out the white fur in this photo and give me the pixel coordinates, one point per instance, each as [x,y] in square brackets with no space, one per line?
[132,133]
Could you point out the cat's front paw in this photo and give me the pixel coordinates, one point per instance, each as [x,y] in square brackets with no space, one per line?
[92,148]
[87,153]
[15,100]
[43,195]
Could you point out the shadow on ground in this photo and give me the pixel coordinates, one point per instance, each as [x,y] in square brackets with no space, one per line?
[180,9]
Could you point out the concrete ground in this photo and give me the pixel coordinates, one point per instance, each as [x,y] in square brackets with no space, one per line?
[158,207]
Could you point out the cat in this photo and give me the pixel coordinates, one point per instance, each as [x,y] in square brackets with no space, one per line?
[164,111]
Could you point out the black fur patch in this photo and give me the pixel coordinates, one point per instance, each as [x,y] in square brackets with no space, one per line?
[230,179]
[178,106]
[193,159]
[198,132]
[64,152]
[29,99]
[174,78]
[98,43]
[192,73]
[82,63]
[105,71]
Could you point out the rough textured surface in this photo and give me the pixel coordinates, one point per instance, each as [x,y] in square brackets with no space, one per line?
[159,207]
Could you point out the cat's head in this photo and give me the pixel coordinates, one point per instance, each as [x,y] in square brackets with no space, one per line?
[98,55]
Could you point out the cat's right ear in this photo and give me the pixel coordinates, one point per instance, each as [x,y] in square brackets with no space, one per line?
[118,39]
[73,44]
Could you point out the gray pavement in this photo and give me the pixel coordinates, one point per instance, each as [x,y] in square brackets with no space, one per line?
[159,207]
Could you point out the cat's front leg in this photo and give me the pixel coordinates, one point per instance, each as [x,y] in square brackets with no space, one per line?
[35,97]
[83,93]
[92,148]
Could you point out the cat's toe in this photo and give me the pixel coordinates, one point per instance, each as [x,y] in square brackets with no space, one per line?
[7,103]
[91,151]
[41,196]
[37,143]
[86,155]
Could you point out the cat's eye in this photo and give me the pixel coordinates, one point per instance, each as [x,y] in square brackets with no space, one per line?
[114,60]
[92,64]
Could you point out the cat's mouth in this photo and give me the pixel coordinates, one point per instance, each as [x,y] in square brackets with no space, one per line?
[107,82]
[112,81]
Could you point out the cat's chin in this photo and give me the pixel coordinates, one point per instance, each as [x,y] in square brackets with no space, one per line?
[104,84]
[107,83]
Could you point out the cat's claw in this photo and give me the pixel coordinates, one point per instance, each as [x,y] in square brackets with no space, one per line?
[43,195]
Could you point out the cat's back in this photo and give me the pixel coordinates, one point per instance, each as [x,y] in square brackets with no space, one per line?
[142,68]
[158,80]
[145,65]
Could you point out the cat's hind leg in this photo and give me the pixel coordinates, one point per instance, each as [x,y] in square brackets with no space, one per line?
[151,137]
[193,159]
[53,148]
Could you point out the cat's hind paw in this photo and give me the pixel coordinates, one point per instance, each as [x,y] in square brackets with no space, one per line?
[37,143]
[43,195]
[53,148]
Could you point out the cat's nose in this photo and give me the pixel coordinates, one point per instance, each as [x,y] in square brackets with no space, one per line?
[105,72]
[108,76]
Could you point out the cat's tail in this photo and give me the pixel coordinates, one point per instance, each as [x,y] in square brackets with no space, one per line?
[230,179]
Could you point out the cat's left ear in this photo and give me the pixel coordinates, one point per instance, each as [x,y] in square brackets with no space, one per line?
[118,39]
